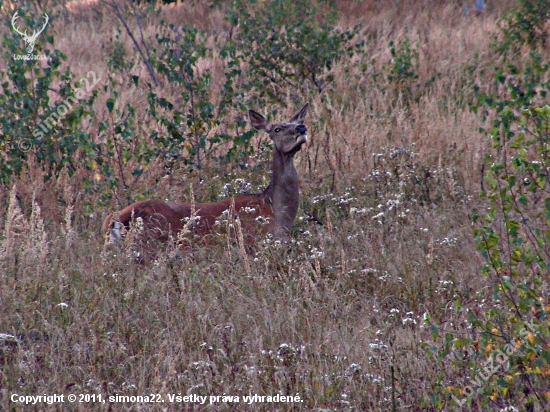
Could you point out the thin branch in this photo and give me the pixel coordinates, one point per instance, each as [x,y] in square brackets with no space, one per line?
[138,19]
[145,59]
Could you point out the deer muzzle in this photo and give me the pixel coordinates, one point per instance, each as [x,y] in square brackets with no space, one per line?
[302,137]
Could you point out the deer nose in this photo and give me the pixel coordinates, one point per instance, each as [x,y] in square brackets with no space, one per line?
[301,129]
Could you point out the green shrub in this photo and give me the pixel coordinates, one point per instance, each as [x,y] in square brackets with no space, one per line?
[514,236]
[193,125]
[193,132]
[44,109]
[507,356]
[505,359]
[285,48]
[402,70]
[527,24]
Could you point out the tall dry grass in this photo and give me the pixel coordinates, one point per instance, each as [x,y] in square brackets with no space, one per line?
[336,315]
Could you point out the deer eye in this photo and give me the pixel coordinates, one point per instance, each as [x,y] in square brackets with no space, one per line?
[277,130]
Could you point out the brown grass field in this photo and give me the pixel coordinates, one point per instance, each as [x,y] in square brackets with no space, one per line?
[334,317]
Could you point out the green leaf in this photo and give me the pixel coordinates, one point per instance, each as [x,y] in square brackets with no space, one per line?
[110,105]
[435,332]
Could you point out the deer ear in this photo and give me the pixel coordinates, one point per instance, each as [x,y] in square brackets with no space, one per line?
[258,121]
[300,117]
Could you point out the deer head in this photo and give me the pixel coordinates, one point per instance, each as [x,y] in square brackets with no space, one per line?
[29,40]
[287,138]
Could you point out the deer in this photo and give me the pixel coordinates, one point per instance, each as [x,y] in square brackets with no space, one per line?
[29,40]
[271,212]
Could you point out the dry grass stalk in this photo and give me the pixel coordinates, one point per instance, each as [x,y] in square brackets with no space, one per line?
[37,240]
[241,245]
[15,229]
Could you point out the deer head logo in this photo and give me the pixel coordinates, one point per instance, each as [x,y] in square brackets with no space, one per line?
[29,40]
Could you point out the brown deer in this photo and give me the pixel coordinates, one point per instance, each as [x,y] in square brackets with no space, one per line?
[272,211]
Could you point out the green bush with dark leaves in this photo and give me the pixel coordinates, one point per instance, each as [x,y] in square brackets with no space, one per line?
[43,108]
[506,358]
[285,47]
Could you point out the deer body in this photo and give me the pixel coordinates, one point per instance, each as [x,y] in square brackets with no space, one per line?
[272,211]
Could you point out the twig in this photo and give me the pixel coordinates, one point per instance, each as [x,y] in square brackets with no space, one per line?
[145,59]
[138,19]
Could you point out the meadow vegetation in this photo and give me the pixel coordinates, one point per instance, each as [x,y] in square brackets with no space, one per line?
[417,277]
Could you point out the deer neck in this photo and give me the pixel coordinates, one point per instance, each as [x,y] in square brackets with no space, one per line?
[283,193]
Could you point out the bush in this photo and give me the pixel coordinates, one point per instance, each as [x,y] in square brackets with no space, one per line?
[507,357]
[514,238]
[298,48]
[193,125]
[44,110]
[526,24]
